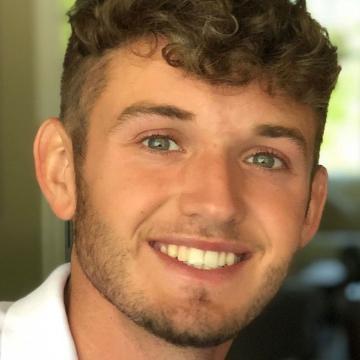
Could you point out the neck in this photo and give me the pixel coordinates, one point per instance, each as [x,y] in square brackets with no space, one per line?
[101,331]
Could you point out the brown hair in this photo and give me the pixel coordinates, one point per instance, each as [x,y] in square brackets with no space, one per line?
[230,42]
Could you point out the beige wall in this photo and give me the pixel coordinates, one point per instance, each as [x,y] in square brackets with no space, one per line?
[20,265]
[31,241]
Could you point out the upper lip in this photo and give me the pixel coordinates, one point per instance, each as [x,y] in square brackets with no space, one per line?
[212,244]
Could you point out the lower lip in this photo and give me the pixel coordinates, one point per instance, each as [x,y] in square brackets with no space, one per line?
[214,275]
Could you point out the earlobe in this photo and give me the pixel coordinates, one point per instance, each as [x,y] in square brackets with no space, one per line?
[317,201]
[55,169]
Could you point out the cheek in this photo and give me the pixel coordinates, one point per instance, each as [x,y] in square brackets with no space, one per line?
[121,189]
[279,214]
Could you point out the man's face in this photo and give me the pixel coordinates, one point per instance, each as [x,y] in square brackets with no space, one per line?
[178,168]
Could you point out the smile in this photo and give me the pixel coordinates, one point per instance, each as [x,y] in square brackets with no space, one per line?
[198,258]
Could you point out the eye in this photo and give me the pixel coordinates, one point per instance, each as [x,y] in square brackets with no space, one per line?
[160,143]
[266,160]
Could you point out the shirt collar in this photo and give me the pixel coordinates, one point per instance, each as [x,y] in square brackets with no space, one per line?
[36,326]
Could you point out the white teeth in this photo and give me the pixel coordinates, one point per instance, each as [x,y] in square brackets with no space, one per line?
[195,257]
[172,251]
[198,266]
[183,253]
[211,259]
[200,259]
[230,259]
[222,259]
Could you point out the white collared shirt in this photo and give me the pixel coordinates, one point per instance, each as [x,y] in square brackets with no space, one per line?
[36,327]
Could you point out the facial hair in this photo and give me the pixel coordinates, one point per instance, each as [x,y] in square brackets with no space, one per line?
[104,257]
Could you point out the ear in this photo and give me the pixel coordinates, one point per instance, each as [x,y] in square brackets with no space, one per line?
[54,168]
[318,195]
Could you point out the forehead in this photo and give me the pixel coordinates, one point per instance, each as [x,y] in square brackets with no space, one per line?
[134,77]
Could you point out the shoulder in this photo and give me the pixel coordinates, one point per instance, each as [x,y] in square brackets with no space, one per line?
[4,306]
[35,325]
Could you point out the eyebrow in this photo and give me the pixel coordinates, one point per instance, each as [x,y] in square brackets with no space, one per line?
[147,108]
[139,109]
[277,131]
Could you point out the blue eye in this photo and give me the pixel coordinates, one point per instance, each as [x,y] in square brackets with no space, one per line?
[161,143]
[266,160]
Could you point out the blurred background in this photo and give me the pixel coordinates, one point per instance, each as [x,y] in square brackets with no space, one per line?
[316,315]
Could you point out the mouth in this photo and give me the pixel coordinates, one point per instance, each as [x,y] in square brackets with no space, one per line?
[200,259]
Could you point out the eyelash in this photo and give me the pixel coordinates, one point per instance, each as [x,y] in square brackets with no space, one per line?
[259,151]
[273,153]
[160,135]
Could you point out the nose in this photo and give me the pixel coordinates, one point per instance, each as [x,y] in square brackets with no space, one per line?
[210,189]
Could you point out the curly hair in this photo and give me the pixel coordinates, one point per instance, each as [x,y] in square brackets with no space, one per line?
[229,42]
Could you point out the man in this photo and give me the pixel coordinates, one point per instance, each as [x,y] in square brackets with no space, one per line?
[186,155]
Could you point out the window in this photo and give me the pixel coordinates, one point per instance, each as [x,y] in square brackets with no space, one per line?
[341,147]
